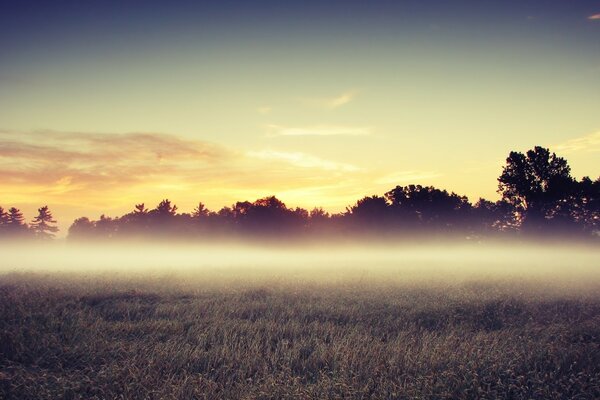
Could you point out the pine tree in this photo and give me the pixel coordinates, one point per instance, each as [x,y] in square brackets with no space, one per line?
[140,209]
[200,211]
[16,222]
[164,209]
[43,225]
[3,221]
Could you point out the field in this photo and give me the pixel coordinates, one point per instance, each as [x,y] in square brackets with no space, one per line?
[238,334]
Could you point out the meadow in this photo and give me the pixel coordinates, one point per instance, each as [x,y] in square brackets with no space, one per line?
[404,327]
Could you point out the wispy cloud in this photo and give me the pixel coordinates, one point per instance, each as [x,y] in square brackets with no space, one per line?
[303,160]
[104,171]
[331,102]
[594,17]
[67,163]
[264,110]
[318,130]
[587,143]
[407,177]
[342,99]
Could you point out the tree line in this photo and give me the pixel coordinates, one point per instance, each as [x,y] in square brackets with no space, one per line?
[538,196]
[12,224]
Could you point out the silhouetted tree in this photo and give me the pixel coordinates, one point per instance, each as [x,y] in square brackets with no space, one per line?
[239,211]
[3,221]
[318,219]
[161,220]
[269,215]
[370,213]
[165,208]
[536,188]
[140,209]
[426,206]
[135,222]
[82,228]
[318,214]
[224,220]
[43,225]
[584,205]
[200,211]
[301,216]
[106,227]
[535,184]
[488,216]
[16,222]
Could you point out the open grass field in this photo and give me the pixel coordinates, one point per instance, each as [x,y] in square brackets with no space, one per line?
[218,335]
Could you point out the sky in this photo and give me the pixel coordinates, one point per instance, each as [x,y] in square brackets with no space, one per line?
[106,104]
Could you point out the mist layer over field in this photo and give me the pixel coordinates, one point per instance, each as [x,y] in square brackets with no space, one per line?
[560,265]
[404,322]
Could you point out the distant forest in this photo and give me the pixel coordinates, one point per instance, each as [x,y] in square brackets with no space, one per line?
[539,197]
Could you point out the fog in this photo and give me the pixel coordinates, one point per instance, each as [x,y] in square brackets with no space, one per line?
[557,265]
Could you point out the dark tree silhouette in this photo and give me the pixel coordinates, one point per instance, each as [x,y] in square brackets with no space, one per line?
[370,205]
[537,191]
[3,221]
[165,209]
[241,209]
[488,216]
[106,227]
[16,222]
[136,222]
[200,211]
[82,228]
[426,206]
[140,209]
[318,220]
[44,226]
[161,216]
[370,213]
[269,215]
[535,184]
[584,206]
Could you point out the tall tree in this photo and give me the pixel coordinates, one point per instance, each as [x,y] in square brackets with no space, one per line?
[585,205]
[535,183]
[427,206]
[165,208]
[44,225]
[140,209]
[82,228]
[106,227]
[268,215]
[489,216]
[135,222]
[3,221]
[200,211]
[16,222]
[371,213]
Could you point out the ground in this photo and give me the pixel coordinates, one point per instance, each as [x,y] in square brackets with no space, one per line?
[108,336]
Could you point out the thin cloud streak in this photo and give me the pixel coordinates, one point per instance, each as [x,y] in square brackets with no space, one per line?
[303,160]
[73,146]
[264,110]
[594,17]
[331,102]
[587,143]
[319,130]
[342,99]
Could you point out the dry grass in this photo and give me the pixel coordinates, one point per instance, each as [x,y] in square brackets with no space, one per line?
[67,336]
